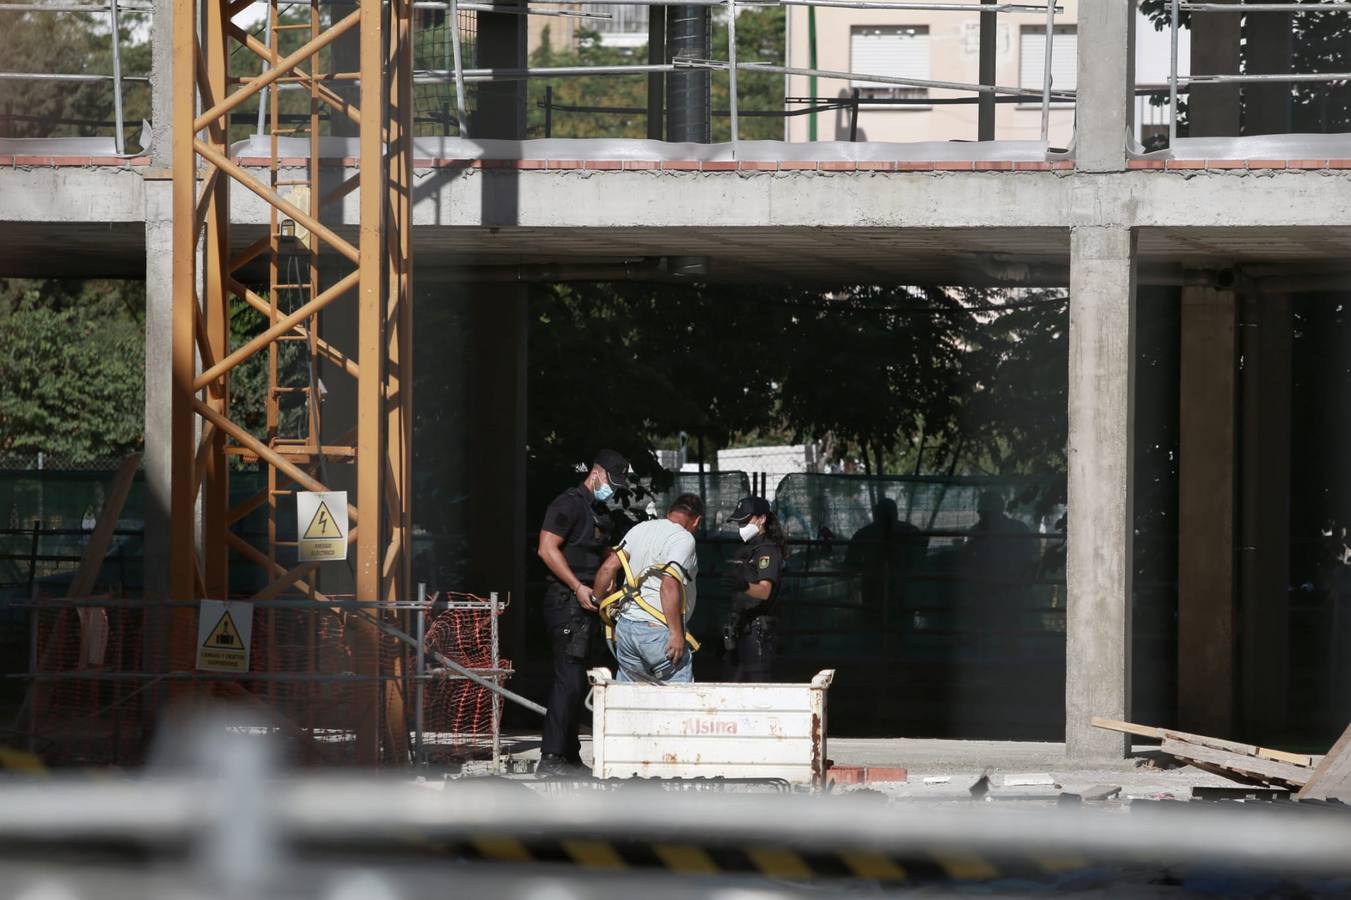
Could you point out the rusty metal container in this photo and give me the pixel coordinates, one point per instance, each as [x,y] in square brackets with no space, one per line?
[710,729]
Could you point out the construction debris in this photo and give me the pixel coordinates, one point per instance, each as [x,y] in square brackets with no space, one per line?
[1038,780]
[1244,763]
[1100,792]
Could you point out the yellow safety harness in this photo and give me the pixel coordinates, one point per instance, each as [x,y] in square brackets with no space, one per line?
[629,592]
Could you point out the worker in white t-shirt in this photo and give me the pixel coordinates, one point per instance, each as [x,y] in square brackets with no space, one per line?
[646,648]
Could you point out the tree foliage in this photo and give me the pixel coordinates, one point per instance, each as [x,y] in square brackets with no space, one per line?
[877,372]
[71,369]
[75,44]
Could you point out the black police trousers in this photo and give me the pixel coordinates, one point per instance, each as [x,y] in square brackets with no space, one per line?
[570,629]
[757,646]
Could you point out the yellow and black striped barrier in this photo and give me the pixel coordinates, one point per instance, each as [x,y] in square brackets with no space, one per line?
[764,859]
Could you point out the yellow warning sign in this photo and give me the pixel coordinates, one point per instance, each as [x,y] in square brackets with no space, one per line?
[321,522]
[223,631]
[322,526]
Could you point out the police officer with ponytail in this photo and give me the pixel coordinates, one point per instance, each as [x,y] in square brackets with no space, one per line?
[751,636]
[572,543]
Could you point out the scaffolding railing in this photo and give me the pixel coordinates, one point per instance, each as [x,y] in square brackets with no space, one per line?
[461,73]
[114,10]
[732,65]
[1177,82]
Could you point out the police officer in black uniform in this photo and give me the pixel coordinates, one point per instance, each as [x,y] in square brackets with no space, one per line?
[751,637]
[572,543]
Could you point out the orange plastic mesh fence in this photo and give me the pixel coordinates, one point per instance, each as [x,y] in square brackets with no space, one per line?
[461,717]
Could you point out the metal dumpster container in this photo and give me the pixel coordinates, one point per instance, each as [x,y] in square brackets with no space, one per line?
[709,729]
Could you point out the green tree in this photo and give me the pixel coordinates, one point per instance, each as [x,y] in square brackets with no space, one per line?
[74,44]
[71,370]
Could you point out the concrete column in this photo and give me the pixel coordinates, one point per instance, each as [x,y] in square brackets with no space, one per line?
[1264,564]
[1105,111]
[1213,109]
[1101,497]
[159,306]
[161,82]
[1206,624]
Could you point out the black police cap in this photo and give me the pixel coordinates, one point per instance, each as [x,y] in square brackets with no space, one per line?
[747,507]
[616,466]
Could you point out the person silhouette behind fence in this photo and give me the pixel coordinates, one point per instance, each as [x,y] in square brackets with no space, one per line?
[885,552]
[996,562]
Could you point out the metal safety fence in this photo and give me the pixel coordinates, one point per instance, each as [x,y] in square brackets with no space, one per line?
[447,64]
[116,79]
[99,678]
[1177,82]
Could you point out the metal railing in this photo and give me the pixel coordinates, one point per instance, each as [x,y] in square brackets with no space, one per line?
[733,66]
[1175,81]
[461,75]
[114,9]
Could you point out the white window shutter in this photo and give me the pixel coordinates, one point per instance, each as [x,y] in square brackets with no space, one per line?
[890,51]
[1064,59]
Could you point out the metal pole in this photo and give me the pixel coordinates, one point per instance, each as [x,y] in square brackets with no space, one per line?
[731,69]
[497,700]
[33,557]
[656,81]
[262,97]
[853,117]
[118,140]
[420,691]
[811,85]
[454,12]
[1172,76]
[31,719]
[1046,72]
[549,111]
[989,37]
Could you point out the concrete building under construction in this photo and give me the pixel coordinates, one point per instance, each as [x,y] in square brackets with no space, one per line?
[361,222]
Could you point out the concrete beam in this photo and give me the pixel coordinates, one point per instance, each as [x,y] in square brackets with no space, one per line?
[1206,624]
[1105,105]
[479,198]
[1101,499]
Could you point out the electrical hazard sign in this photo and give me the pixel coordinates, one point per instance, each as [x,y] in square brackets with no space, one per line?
[223,632]
[321,523]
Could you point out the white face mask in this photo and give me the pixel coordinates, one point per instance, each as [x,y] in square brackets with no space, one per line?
[748,531]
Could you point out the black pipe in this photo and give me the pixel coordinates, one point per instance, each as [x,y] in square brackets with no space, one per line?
[688,97]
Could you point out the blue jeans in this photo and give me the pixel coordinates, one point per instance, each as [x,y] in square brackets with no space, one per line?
[640,649]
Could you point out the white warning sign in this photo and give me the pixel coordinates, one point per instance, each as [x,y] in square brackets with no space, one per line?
[223,632]
[321,523]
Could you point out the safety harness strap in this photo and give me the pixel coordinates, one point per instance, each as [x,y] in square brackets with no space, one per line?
[630,592]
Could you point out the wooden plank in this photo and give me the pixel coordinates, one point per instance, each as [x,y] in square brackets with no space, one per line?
[1331,780]
[1294,759]
[1151,731]
[1250,766]
[1148,731]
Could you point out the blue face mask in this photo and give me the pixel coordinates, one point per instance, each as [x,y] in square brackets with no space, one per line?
[604,492]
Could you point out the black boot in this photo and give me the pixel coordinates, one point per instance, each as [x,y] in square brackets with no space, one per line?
[552,765]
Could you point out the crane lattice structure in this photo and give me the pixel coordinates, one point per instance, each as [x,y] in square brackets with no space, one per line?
[377,277]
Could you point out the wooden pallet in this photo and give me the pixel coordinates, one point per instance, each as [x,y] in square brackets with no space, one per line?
[1246,763]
